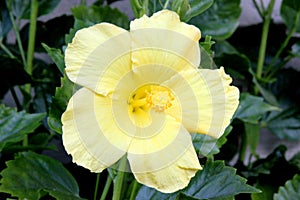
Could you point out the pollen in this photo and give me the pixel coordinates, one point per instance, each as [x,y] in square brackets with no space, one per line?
[160,98]
[149,97]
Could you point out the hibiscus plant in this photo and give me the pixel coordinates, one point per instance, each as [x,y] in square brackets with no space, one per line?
[171,104]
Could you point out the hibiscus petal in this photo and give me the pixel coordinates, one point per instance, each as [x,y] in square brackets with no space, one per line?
[98,57]
[169,20]
[168,169]
[90,136]
[206,98]
[162,39]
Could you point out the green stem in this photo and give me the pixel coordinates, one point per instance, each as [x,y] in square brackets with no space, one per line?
[259,10]
[134,190]
[6,50]
[264,38]
[96,186]
[145,7]
[106,187]
[16,31]
[262,6]
[243,148]
[32,33]
[284,44]
[31,42]
[137,8]
[166,4]
[119,179]
[30,49]
[277,67]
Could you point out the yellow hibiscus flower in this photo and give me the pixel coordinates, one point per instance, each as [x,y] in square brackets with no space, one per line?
[142,96]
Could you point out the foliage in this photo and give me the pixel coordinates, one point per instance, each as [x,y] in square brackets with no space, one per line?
[208,146]
[252,108]
[257,58]
[290,12]
[220,20]
[44,175]
[59,104]
[291,190]
[15,125]
[215,181]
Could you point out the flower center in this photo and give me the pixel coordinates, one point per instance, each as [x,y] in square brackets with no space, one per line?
[151,96]
[159,98]
[148,97]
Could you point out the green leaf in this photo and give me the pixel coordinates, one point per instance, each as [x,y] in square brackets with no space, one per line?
[295,161]
[207,61]
[268,95]
[290,13]
[96,14]
[252,136]
[224,198]
[180,7]
[59,104]
[30,175]
[41,139]
[186,9]
[21,8]
[251,108]
[285,124]
[217,180]
[266,194]
[5,23]
[15,125]
[57,57]
[196,8]
[206,145]
[46,6]
[224,47]
[226,55]
[207,44]
[152,194]
[220,20]
[291,190]
[88,16]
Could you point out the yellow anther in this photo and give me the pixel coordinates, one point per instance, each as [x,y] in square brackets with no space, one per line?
[151,96]
[159,98]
